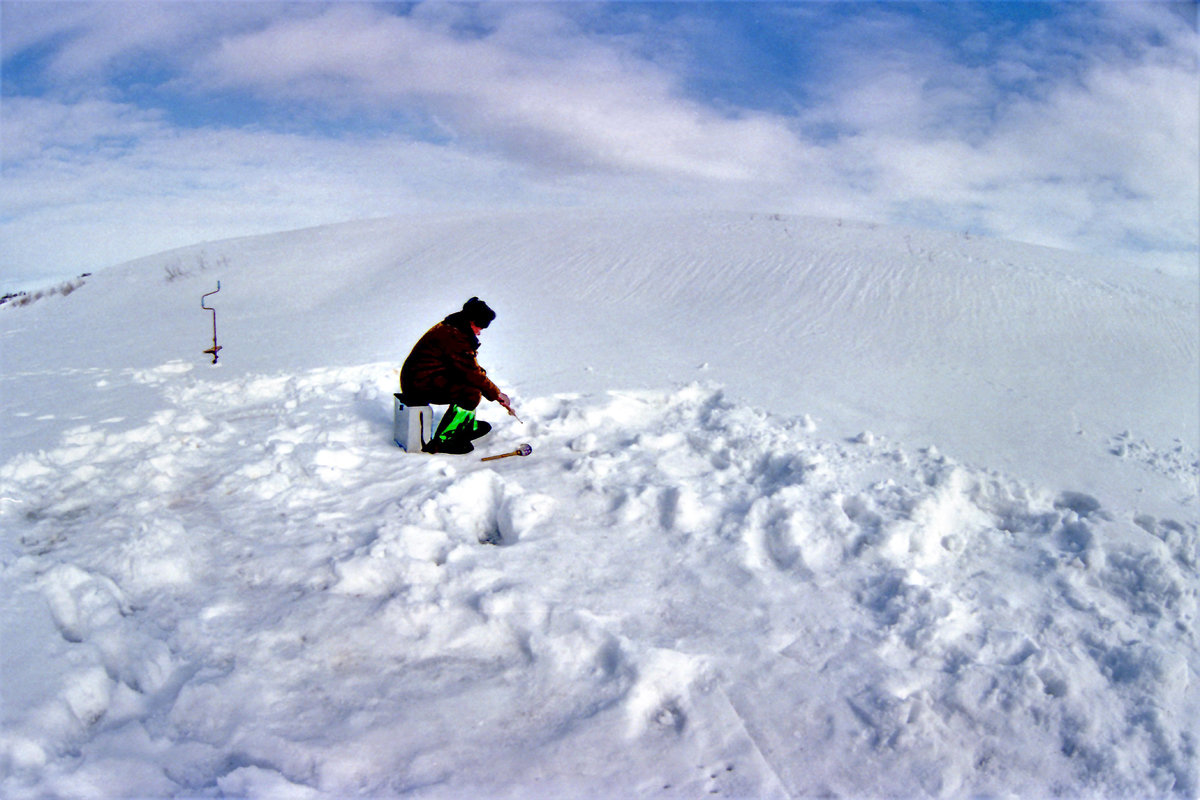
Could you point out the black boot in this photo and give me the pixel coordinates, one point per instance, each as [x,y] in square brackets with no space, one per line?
[455,431]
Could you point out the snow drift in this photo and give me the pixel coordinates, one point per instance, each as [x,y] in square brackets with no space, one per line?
[814,509]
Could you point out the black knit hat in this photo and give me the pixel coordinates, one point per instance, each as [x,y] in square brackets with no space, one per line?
[478,312]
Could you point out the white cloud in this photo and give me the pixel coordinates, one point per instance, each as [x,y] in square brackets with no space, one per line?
[92,41]
[560,101]
[1095,149]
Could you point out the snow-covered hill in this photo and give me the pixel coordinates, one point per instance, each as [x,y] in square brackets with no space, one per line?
[815,508]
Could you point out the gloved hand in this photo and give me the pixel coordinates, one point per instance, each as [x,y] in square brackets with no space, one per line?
[504,400]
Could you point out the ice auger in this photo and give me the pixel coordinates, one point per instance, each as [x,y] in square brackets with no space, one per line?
[216,347]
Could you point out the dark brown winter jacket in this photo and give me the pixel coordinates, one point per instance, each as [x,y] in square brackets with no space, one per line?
[442,367]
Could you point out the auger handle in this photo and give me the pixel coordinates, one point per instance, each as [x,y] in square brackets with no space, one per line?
[523,450]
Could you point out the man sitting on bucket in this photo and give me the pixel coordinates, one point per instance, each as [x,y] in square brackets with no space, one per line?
[442,370]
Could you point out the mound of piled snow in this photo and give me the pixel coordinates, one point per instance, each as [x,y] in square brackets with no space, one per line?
[228,581]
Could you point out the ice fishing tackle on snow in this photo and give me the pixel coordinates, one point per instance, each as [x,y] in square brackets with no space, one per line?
[216,348]
[523,450]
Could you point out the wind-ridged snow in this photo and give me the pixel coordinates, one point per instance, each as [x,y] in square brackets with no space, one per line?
[814,509]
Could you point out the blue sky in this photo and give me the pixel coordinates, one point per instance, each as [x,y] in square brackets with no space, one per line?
[129,128]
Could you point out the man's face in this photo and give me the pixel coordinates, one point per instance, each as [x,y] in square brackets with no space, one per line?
[476,329]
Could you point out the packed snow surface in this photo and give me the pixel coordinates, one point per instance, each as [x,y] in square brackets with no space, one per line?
[814,509]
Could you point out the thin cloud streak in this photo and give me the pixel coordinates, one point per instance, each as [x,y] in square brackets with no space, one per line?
[583,106]
[129,128]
